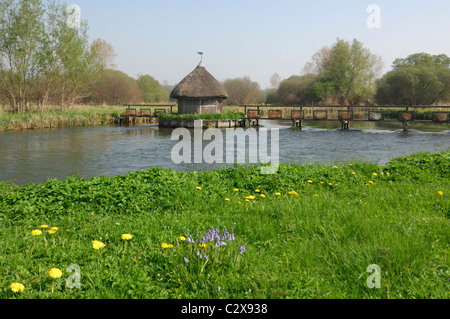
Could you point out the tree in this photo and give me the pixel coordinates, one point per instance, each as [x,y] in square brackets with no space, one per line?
[80,65]
[353,70]
[20,40]
[418,79]
[115,88]
[105,52]
[275,80]
[242,91]
[41,58]
[349,68]
[292,91]
[422,60]
[151,90]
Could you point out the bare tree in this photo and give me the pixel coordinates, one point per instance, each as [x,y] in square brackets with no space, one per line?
[275,80]
[105,52]
[243,91]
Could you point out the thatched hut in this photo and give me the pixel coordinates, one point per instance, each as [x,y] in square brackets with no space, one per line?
[199,93]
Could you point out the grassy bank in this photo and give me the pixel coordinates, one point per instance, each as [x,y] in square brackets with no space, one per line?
[306,232]
[54,118]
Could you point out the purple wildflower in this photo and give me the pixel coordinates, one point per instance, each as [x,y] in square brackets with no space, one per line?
[186,260]
[242,249]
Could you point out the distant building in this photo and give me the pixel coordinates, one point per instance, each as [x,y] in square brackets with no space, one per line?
[199,93]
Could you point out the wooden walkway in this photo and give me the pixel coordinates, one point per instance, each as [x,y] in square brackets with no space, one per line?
[148,113]
[345,114]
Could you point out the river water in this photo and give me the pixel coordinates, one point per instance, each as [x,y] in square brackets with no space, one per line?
[35,156]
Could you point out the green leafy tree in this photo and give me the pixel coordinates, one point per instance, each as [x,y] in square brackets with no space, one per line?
[151,90]
[352,69]
[419,79]
[293,91]
[21,25]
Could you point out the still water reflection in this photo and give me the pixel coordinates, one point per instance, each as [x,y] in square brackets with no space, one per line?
[34,156]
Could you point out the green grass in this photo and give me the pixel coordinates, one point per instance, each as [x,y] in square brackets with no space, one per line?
[315,240]
[53,118]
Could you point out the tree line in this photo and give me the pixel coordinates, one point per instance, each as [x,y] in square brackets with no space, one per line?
[347,73]
[44,61]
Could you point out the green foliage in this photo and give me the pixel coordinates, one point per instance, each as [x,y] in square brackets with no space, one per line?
[419,79]
[43,59]
[151,90]
[312,235]
[352,69]
[293,91]
[422,60]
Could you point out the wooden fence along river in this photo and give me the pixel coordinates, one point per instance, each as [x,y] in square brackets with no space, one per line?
[148,113]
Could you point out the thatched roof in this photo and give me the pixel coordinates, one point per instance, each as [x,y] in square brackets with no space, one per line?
[199,84]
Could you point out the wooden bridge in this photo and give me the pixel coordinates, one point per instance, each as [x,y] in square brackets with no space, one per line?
[148,113]
[143,113]
[344,114]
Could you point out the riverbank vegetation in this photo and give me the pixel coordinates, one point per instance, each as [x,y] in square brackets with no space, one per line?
[308,231]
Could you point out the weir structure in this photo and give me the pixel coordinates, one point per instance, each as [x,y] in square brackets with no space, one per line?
[347,114]
[148,113]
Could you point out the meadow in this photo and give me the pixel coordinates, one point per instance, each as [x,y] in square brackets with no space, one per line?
[309,231]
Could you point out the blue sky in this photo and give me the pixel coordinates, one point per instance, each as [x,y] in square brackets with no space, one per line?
[257,38]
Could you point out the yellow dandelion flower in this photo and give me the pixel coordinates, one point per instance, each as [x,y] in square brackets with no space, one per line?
[199,188]
[240,203]
[53,230]
[227,199]
[126,236]
[247,200]
[236,189]
[277,194]
[182,238]
[293,193]
[440,193]
[330,184]
[202,245]
[370,182]
[354,173]
[165,245]
[257,191]
[44,226]
[250,197]
[335,167]
[17,287]
[55,273]
[169,246]
[309,181]
[316,195]
[374,174]
[36,232]
[97,244]
[350,164]
[262,196]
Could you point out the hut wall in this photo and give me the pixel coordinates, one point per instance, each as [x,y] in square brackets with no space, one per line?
[202,106]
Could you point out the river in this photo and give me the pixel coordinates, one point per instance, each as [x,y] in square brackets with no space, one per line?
[35,156]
